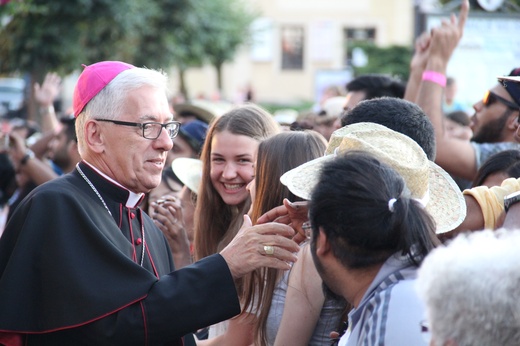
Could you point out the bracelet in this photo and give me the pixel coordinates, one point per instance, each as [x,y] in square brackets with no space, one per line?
[434,77]
[29,154]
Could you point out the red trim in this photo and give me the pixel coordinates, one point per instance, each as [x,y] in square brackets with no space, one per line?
[147,248]
[76,325]
[151,261]
[11,339]
[145,323]
[129,219]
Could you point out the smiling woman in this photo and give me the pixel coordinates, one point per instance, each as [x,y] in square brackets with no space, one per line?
[228,155]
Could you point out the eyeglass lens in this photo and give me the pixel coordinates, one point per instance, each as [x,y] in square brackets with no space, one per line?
[153,130]
[490,98]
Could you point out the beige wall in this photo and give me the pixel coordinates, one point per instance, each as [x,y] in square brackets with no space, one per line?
[323,22]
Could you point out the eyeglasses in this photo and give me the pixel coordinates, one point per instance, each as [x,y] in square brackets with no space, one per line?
[151,130]
[307,228]
[490,98]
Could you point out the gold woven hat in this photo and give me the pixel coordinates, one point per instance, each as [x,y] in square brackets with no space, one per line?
[189,171]
[428,183]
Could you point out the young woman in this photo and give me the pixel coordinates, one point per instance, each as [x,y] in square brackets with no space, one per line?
[228,158]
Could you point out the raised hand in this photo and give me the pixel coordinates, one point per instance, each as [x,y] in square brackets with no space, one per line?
[48,91]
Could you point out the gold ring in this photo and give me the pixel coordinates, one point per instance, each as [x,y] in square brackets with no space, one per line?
[269,249]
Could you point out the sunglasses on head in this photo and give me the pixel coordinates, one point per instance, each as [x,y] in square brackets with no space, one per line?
[490,98]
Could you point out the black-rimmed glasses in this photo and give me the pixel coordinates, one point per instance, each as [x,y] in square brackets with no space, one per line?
[151,130]
[490,98]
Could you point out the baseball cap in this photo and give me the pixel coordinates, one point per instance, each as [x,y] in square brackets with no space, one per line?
[512,84]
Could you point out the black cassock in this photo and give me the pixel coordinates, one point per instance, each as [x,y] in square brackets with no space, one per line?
[71,274]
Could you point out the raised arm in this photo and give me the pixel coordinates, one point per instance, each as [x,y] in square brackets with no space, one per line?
[303,303]
[454,155]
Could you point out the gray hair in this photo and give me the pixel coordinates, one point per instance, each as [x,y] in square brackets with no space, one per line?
[472,289]
[109,102]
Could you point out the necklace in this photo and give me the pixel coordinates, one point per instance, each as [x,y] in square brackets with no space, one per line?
[87,180]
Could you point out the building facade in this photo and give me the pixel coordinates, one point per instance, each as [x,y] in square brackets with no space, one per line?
[301,46]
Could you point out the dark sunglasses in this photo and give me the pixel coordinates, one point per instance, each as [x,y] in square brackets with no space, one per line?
[490,98]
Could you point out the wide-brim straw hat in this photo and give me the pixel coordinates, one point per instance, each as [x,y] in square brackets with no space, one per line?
[428,183]
[189,172]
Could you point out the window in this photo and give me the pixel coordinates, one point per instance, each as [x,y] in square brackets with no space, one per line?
[356,35]
[292,47]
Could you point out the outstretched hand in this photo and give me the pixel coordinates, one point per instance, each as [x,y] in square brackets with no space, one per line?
[294,214]
[254,247]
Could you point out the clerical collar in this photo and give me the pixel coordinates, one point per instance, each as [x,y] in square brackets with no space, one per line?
[133,198]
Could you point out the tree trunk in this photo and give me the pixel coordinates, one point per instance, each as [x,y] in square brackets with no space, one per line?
[182,84]
[218,68]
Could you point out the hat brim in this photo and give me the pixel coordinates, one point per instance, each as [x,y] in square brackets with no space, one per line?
[189,172]
[446,203]
[205,111]
[512,86]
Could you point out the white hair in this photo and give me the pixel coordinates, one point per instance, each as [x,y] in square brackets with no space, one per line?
[471,289]
[109,102]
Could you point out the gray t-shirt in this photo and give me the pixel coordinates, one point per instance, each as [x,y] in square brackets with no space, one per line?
[484,150]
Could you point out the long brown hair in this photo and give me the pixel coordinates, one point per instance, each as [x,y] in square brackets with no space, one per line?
[215,222]
[276,156]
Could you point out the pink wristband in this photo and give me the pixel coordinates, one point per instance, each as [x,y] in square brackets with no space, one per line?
[434,77]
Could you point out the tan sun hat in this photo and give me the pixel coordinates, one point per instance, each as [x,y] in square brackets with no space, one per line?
[428,183]
[204,110]
[189,171]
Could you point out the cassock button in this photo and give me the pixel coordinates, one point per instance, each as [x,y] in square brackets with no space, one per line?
[138,241]
[132,215]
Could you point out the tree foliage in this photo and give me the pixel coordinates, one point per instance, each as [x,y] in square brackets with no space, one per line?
[393,60]
[43,35]
[37,36]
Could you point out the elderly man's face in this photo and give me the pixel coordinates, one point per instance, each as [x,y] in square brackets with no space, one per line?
[134,161]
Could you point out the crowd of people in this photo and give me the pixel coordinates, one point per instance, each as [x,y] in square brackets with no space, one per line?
[385,216]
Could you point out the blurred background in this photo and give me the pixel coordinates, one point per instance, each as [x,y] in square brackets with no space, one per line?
[278,53]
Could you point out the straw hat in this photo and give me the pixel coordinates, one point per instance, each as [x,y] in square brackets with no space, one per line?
[204,110]
[427,182]
[189,171]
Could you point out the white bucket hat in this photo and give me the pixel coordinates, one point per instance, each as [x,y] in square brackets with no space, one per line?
[428,183]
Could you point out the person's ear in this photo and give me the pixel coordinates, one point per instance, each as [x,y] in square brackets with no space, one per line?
[322,244]
[512,122]
[94,136]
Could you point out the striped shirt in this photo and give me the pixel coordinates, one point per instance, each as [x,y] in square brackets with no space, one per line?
[390,312]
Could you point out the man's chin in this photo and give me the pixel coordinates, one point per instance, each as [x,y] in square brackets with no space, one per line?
[329,294]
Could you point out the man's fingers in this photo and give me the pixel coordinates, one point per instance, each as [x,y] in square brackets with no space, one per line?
[274,228]
[272,214]
[273,262]
[277,242]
